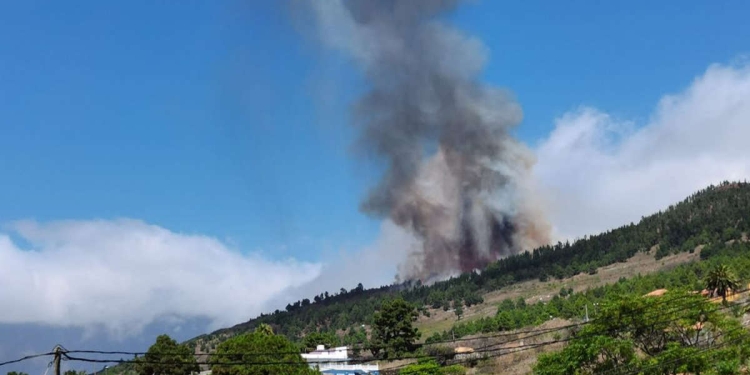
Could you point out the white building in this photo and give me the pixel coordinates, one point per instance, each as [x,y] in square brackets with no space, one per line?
[335,361]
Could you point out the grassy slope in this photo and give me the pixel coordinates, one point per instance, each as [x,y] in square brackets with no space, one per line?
[536,291]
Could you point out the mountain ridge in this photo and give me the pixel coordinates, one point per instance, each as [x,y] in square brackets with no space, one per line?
[716,212]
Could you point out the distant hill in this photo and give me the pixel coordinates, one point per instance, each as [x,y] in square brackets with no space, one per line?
[717,213]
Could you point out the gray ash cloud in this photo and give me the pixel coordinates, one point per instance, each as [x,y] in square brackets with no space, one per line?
[455,176]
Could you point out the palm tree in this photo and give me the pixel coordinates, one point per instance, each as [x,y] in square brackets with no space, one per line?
[721,280]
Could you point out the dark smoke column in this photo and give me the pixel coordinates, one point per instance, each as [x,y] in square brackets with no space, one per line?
[455,177]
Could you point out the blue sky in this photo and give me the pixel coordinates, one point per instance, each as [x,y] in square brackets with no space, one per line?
[203,117]
[220,128]
[193,117]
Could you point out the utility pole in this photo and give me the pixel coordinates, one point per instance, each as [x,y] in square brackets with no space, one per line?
[58,357]
[587,315]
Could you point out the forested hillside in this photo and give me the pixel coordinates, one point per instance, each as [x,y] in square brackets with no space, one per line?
[714,215]
[568,305]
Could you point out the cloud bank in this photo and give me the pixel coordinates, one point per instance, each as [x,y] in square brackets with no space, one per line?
[122,275]
[374,265]
[599,172]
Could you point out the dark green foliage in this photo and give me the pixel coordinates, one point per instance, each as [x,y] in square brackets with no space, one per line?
[592,270]
[260,354]
[17,373]
[473,298]
[167,357]
[264,329]
[436,299]
[517,314]
[393,332]
[658,335]
[452,370]
[356,338]
[359,289]
[428,368]
[458,309]
[441,353]
[702,218]
[312,340]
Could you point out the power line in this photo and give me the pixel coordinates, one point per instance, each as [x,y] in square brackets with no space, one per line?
[541,332]
[244,363]
[532,346]
[249,363]
[229,363]
[592,334]
[516,349]
[533,332]
[505,334]
[26,358]
[487,349]
[678,359]
[536,345]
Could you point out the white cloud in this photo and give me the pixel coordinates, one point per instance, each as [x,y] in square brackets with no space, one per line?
[125,274]
[601,172]
[373,266]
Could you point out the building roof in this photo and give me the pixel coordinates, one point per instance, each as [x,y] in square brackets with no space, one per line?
[321,354]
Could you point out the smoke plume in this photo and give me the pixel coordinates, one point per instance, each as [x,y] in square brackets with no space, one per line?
[454,176]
